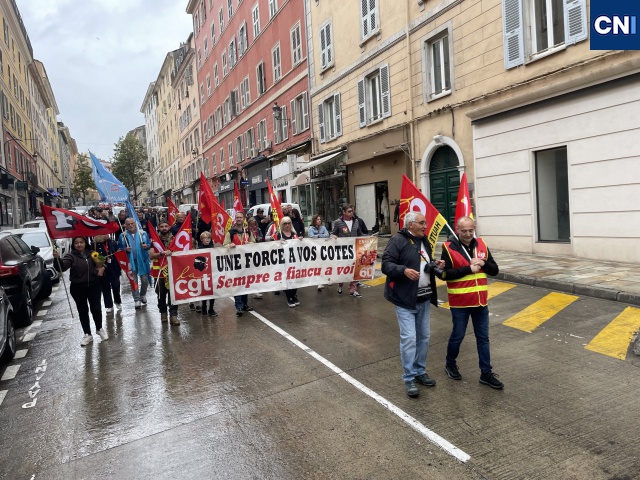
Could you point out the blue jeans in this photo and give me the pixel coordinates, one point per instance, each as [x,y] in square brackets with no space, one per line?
[143,283]
[415,330]
[241,301]
[480,320]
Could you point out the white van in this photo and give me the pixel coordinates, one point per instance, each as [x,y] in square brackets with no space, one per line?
[266,207]
[186,207]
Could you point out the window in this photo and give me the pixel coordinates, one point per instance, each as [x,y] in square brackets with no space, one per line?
[230,8]
[261,79]
[277,70]
[280,127]
[233,53]
[216,78]
[15,86]
[273,7]
[368,18]
[221,15]
[438,70]
[374,97]
[208,85]
[224,63]
[5,106]
[255,15]
[239,149]
[249,144]
[218,119]
[296,45]
[210,130]
[534,28]
[235,103]
[326,46]
[330,118]
[226,110]
[213,32]
[215,164]
[243,41]
[230,149]
[206,47]
[1,63]
[6,31]
[262,135]
[552,195]
[299,114]
[245,93]
[221,159]
[199,59]
[202,93]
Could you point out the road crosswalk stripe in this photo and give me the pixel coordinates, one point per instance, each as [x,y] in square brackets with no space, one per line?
[539,312]
[376,281]
[3,393]
[493,290]
[614,339]
[21,353]
[10,372]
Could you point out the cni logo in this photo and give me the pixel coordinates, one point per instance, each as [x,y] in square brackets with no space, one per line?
[625,25]
[614,25]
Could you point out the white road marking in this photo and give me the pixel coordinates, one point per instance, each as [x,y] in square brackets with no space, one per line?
[47,303]
[21,353]
[3,393]
[412,422]
[10,372]
[36,324]
[28,337]
[42,313]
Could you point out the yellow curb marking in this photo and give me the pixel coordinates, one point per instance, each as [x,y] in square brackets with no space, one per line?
[615,338]
[539,312]
[493,290]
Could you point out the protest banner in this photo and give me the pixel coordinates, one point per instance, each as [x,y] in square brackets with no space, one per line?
[263,267]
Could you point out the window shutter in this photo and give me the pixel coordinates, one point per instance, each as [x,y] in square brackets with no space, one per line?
[285,126]
[323,48]
[294,128]
[321,122]
[362,111]
[373,14]
[337,114]
[364,18]
[385,91]
[304,124]
[575,21]
[513,33]
[329,44]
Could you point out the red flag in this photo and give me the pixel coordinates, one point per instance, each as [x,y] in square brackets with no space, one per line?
[463,205]
[182,240]
[207,198]
[63,223]
[237,204]
[412,200]
[172,213]
[156,243]
[221,222]
[123,260]
[276,208]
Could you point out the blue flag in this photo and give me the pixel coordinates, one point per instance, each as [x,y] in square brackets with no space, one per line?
[131,213]
[109,187]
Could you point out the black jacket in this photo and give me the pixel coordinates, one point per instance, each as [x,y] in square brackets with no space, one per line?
[450,273]
[107,249]
[82,270]
[399,255]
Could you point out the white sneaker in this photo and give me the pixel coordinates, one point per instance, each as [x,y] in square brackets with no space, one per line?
[103,334]
[118,306]
[355,294]
[109,310]
[138,304]
[320,287]
[86,340]
[257,295]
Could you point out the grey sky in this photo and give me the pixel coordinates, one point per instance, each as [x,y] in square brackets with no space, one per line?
[100,56]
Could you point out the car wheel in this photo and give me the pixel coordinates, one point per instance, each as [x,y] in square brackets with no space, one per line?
[25,314]
[10,347]
[47,285]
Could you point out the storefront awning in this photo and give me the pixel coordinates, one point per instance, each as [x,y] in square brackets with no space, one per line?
[319,161]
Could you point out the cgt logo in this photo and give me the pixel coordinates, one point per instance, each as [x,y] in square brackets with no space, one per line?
[614,25]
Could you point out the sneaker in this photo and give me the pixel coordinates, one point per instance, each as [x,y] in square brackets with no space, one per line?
[247,308]
[86,340]
[103,334]
[174,320]
[453,372]
[355,294]
[291,303]
[118,306]
[321,287]
[258,295]
[238,313]
[412,389]
[213,313]
[339,290]
[138,304]
[295,300]
[491,379]
[109,310]
[425,380]
[198,308]
[143,299]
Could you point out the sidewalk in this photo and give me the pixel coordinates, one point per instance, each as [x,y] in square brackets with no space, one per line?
[611,281]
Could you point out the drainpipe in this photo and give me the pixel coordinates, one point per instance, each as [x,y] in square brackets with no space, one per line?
[412,150]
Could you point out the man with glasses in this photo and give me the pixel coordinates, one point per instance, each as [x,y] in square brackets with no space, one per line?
[411,287]
[468,261]
[347,226]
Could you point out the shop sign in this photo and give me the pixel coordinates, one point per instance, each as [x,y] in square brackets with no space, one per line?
[256,179]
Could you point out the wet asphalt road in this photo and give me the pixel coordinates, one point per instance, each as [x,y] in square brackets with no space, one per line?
[231,397]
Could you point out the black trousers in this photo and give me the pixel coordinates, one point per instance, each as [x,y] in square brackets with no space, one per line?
[110,285]
[164,298]
[211,303]
[87,297]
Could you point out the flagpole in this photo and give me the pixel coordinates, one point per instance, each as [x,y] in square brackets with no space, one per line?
[64,284]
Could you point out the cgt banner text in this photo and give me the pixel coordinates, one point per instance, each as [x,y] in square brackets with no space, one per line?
[264,267]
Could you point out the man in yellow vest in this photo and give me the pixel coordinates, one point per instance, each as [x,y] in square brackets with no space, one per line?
[467,264]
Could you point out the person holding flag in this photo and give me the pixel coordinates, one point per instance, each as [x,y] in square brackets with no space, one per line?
[463,205]
[159,254]
[468,261]
[136,243]
[347,226]
[237,235]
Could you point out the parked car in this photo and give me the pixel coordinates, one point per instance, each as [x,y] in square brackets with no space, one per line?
[266,207]
[63,244]
[23,275]
[39,237]
[7,329]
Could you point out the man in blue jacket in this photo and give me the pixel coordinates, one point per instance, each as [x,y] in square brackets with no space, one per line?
[136,244]
[411,287]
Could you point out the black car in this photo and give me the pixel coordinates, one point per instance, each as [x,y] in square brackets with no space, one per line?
[7,331]
[23,275]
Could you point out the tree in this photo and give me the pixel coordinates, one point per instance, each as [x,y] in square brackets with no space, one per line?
[83,179]
[130,163]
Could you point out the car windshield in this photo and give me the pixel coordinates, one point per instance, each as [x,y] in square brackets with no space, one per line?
[33,225]
[36,239]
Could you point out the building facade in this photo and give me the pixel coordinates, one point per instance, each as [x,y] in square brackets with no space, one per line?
[149,110]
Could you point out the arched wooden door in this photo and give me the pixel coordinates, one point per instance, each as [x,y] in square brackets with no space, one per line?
[444,181]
